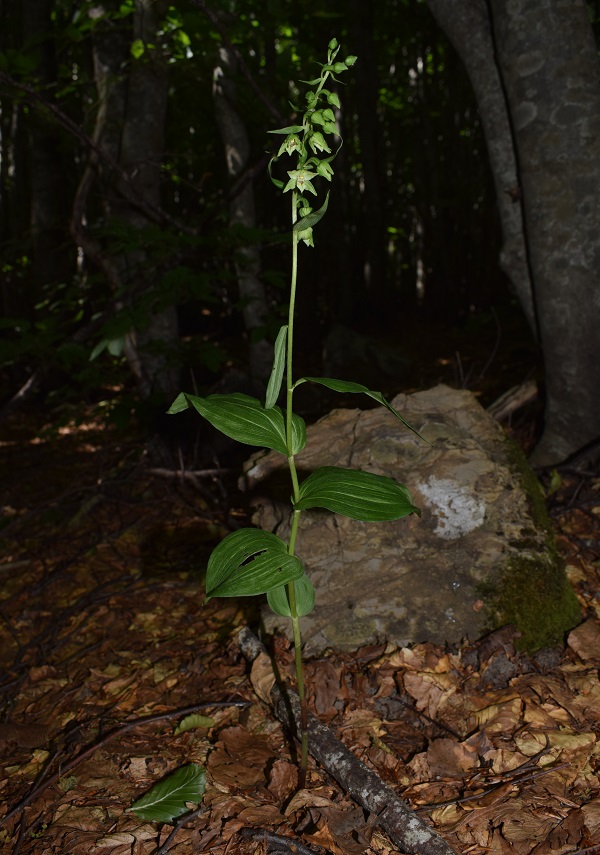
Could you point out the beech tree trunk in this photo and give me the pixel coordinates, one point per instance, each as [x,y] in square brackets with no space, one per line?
[467,26]
[549,74]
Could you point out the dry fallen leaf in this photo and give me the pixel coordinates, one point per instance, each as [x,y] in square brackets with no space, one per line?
[584,640]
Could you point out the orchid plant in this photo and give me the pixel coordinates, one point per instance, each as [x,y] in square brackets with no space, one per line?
[250,562]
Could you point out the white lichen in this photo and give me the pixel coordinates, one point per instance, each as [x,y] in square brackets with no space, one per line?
[456,510]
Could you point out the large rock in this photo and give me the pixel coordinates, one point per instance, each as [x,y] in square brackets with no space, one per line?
[481,555]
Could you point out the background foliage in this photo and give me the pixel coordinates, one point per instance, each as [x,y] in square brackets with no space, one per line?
[413,224]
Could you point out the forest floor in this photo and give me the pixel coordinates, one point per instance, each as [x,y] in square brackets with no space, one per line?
[105,648]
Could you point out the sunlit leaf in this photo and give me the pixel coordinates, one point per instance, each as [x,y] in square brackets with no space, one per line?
[250,562]
[359,495]
[274,385]
[190,722]
[349,386]
[305,598]
[137,48]
[245,419]
[170,798]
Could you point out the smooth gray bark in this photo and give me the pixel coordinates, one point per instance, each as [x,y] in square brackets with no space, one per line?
[551,75]
[467,25]
[535,71]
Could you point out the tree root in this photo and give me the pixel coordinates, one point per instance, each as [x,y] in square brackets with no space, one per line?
[405,829]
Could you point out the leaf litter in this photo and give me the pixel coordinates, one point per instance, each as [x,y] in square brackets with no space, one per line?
[105,650]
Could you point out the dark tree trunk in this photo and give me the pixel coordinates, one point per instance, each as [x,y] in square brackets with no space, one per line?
[373,214]
[51,246]
[129,129]
[242,213]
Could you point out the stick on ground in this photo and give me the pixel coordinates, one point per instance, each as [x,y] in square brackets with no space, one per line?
[405,829]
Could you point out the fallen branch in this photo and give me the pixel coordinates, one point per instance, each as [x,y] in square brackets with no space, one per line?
[405,829]
[513,400]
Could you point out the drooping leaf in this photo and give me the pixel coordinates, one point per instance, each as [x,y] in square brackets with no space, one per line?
[312,219]
[274,385]
[356,494]
[349,386]
[305,598]
[250,562]
[169,799]
[245,419]
[292,129]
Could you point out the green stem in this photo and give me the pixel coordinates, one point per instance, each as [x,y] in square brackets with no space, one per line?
[296,492]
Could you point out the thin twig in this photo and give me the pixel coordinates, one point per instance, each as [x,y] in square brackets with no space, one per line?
[164,847]
[476,796]
[287,844]
[190,474]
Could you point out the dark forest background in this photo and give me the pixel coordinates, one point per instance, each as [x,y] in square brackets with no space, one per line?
[128,236]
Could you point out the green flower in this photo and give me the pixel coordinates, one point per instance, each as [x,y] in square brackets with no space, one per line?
[306,236]
[325,170]
[290,145]
[317,142]
[300,179]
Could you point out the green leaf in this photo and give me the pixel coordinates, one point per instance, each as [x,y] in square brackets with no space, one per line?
[190,722]
[245,419]
[180,404]
[359,495]
[274,385]
[169,799]
[305,598]
[311,220]
[349,386]
[100,348]
[293,129]
[250,562]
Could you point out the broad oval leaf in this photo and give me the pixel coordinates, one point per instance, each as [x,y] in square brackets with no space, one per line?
[305,598]
[349,386]
[274,385]
[169,799]
[356,494]
[246,420]
[250,562]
